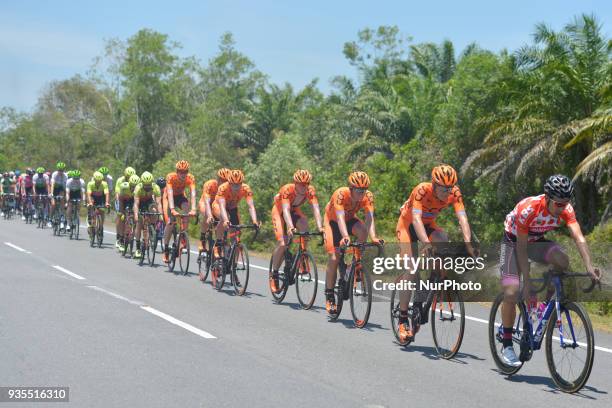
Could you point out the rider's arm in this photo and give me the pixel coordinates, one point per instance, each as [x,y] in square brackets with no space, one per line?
[582,245]
[136,205]
[369,221]
[252,211]
[192,191]
[170,195]
[222,209]
[522,259]
[465,226]
[342,224]
[419,227]
[106,194]
[287,216]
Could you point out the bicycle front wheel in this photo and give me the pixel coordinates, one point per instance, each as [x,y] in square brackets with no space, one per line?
[217,274]
[240,269]
[447,322]
[496,332]
[360,295]
[184,253]
[280,281]
[100,230]
[306,280]
[570,358]
[152,245]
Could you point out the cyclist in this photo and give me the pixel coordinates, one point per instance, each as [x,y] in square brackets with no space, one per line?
[340,220]
[75,190]
[175,197]
[98,195]
[417,222]
[27,186]
[225,206]
[125,195]
[209,192]
[41,187]
[7,186]
[58,186]
[287,215]
[523,239]
[107,177]
[127,173]
[147,197]
[18,178]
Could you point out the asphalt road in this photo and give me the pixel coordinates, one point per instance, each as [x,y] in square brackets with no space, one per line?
[121,335]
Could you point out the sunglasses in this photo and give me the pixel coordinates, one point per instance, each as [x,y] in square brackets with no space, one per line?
[444,188]
[559,204]
[360,190]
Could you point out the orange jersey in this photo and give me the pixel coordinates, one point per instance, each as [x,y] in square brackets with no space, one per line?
[423,201]
[232,198]
[288,194]
[209,189]
[177,185]
[341,201]
[531,216]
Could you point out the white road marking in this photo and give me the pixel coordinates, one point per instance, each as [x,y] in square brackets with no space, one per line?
[67,272]
[475,319]
[115,295]
[179,323]
[17,248]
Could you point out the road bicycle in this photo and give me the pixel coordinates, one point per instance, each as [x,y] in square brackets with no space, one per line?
[96,226]
[205,255]
[354,283]
[300,269]
[149,237]
[232,261]
[75,221]
[562,325]
[444,308]
[179,248]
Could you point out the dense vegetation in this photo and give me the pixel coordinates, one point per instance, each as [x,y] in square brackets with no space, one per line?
[506,120]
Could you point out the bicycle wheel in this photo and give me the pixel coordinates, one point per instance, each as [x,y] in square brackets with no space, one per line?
[282,281]
[217,274]
[77,225]
[152,245]
[495,335]
[144,248]
[203,264]
[395,315]
[100,230]
[184,252]
[570,366]
[173,252]
[306,280]
[91,231]
[447,322]
[128,241]
[360,295]
[240,269]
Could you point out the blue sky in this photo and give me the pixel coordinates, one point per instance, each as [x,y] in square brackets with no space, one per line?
[290,41]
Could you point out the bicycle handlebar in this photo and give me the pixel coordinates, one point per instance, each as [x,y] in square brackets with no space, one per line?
[309,234]
[565,275]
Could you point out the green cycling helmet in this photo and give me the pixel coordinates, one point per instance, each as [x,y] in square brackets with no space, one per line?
[40,170]
[134,180]
[69,173]
[146,178]
[76,173]
[60,166]
[129,172]
[97,176]
[104,170]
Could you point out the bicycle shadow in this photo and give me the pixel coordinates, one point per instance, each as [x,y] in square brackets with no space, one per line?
[552,387]
[297,306]
[350,324]
[432,354]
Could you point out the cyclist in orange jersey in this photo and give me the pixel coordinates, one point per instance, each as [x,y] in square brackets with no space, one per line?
[174,196]
[287,215]
[209,192]
[340,221]
[417,222]
[225,206]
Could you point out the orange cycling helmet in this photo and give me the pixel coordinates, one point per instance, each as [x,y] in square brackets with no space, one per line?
[444,175]
[235,176]
[182,165]
[302,176]
[359,179]
[223,173]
